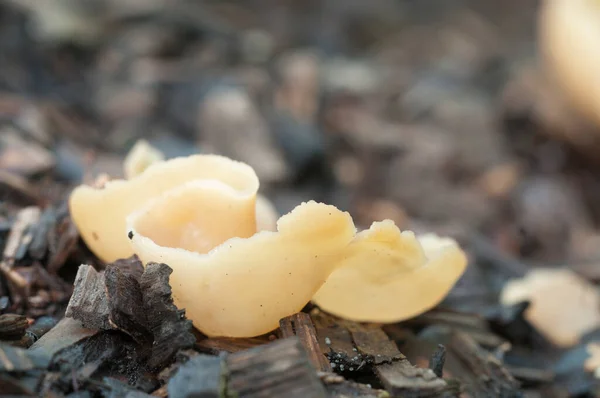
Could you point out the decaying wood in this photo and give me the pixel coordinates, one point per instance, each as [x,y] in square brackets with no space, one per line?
[17,243]
[89,303]
[372,350]
[301,325]
[437,361]
[15,359]
[338,387]
[171,331]
[277,369]
[218,345]
[201,376]
[62,239]
[13,326]
[15,186]
[493,379]
[67,332]
[135,301]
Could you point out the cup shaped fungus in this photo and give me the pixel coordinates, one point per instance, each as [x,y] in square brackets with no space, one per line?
[100,213]
[389,276]
[243,287]
[234,274]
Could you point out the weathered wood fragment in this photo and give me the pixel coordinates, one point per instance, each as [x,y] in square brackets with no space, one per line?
[89,302]
[62,239]
[373,351]
[67,332]
[218,345]
[493,379]
[137,303]
[170,329]
[15,359]
[281,368]
[301,325]
[201,376]
[12,326]
[338,387]
[126,304]
[437,361]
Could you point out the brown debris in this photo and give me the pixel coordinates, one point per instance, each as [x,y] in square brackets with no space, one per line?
[301,325]
[12,326]
[353,347]
[135,301]
[281,368]
[218,345]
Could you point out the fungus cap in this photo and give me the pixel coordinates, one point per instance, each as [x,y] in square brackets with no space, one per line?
[241,287]
[392,275]
[100,213]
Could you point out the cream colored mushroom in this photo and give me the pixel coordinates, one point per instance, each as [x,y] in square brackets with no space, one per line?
[243,287]
[199,215]
[390,276]
[100,213]
[569,37]
[141,156]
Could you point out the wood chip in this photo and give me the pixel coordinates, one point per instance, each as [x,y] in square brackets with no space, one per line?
[14,359]
[12,326]
[143,308]
[372,350]
[170,330]
[201,376]
[301,325]
[281,368]
[218,345]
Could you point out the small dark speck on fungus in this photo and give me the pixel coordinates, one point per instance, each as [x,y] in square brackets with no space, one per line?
[130,235]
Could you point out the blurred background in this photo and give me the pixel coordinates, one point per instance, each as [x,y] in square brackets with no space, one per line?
[434,113]
[438,114]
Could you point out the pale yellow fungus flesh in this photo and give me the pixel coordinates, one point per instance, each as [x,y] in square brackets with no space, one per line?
[244,287]
[141,156]
[236,272]
[100,213]
[392,276]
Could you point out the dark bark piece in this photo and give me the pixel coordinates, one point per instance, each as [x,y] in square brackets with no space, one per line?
[12,326]
[171,330]
[494,379]
[130,266]
[106,354]
[20,384]
[21,233]
[281,368]
[40,241]
[20,189]
[218,345]
[301,325]
[400,378]
[338,387]
[337,344]
[118,389]
[127,305]
[62,240]
[67,332]
[200,377]
[40,327]
[15,359]
[89,302]
[372,342]
[438,358]
[16,244]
